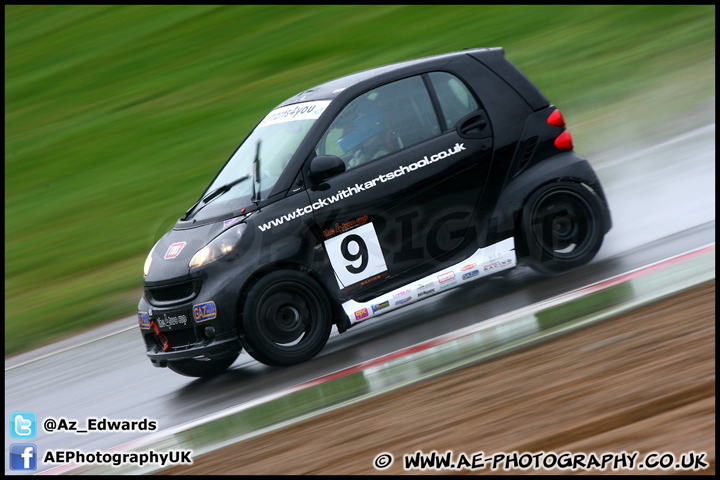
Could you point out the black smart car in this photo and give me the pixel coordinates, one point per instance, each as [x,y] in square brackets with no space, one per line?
[362,195]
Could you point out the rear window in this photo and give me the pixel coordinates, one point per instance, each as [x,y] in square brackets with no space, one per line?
[455,99]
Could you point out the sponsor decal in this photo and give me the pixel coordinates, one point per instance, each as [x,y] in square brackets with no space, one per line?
[500,255]
[380,306]
[204,311]
[169,322]
[361,187]
[144,320]
[227,223]
[474,273]
[174,250]
[372,279]
[446,277]
[341,227]
[298,111]
[422,286]
[497,264]
[493,256]
[362,313]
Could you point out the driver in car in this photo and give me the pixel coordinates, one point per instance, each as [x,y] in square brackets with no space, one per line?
[364,134]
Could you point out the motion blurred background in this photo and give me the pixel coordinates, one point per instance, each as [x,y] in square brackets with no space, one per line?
[118,117]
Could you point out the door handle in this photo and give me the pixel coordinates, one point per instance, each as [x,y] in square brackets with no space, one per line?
[476,126]
[473,124]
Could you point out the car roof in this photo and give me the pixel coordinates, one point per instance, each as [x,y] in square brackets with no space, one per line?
[331,89]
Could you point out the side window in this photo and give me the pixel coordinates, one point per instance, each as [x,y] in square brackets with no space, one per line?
[380,122]
[455,99]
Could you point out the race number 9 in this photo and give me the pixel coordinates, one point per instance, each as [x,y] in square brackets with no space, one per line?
[362,253]
[356,255]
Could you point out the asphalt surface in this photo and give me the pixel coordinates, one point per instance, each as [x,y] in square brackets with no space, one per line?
[663,204]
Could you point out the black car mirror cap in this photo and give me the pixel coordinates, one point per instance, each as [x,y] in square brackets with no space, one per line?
[325,166]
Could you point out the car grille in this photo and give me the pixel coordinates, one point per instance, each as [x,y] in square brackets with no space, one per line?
[181,338]
[172,293]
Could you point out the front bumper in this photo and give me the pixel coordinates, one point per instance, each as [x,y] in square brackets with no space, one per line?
[215,349]
[199,328]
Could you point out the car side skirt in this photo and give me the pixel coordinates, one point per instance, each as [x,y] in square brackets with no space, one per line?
[485,261]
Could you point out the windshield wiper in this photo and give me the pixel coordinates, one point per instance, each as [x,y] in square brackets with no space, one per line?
[256,176]
[223,189]
[217,192]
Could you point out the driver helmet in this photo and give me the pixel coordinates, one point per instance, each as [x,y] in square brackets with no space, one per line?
[364,126]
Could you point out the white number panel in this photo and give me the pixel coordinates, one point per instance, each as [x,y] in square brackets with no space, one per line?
[356,255]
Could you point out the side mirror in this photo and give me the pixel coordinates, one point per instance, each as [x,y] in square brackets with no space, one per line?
[324,167]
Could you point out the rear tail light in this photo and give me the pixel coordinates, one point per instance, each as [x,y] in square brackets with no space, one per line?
[556,119]
[564,141]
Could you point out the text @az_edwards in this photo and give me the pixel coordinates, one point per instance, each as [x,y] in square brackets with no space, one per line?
[95,424]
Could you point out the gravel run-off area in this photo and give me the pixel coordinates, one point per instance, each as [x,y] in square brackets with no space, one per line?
[643,382]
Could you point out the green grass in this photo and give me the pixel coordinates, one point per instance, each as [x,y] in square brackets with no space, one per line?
[117,117]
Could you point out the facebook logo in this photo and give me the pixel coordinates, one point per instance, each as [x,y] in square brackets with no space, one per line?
[23,456]
[23,425]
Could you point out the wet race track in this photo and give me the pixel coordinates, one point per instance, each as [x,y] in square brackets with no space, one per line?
[662,200]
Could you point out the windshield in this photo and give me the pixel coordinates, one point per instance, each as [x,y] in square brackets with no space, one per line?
[279,135]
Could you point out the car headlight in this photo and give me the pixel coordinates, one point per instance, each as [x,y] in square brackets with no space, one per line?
[219,246]
[148,260]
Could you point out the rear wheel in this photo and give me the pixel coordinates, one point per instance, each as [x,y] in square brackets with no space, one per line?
[561,227]
[286,318]
[194,367]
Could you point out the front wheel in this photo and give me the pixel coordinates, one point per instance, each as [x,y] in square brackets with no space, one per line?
[561,227]
[286,318]
[194,367]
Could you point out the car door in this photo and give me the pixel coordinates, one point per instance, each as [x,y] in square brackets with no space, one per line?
[410,185]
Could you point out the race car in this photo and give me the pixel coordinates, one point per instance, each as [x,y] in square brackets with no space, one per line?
[361,196]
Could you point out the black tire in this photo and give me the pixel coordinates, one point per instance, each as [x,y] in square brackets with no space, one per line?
[204,368]
[286,318]
[561,227]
